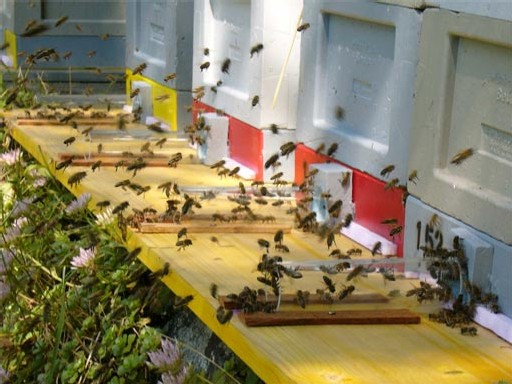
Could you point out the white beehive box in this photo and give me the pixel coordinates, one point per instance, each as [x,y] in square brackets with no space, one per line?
[229,29]
[160,34]
[464,100]
[362,57]
[489,260]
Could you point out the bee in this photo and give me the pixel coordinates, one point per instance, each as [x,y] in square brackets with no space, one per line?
[355,272]
[182,301]
[223,315]
[256,49]
[274,129]
[60,21]
[145,147]
[213,89]
[278,203]
[76,178]
[255,101]
[91,54]
[161,142]
[376,248]
[225,66]
[346,291]
[413,176]
[339,112]
[303,27]
[234,171]
[136,166]
[395,231]
[320,148]
[391,184]
[69,141]
[287,148]
[96,165]
[104,37]
[214,288]
[139,69]
[218,164]
[170,76]
[67,55]
[387,170]
[348,220]
[264,244]
[392,221]
[334,209]
[329,284]
[34,29]
[78,27]
[182,232]
[387,274]
[102,204]
[468,331]
[4,46]
[162,97]
[205,65]
[120,163]
[434,221]
[302,298]
[182,244]
[271,161]
[64,164]
[278,236]
[261,201]
[120,207]
[175,159]
[332,149]
[461,156]
[285,249]
[206,51]
[242,188]
[276,176]
[354,251]
[134,93]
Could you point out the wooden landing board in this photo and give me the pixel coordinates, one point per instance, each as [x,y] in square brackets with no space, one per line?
[78,120]
[111,159]
[381,316]
[357,298]
[212,227]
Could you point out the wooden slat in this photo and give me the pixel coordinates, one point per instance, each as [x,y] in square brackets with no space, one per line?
[286,299]
[211,227]
[79,121]
[382,316]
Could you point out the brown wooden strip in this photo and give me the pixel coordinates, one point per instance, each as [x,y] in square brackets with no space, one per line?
[380,316]
[78,120]
[211,227]
[112,161]
[286,299]
[112,155]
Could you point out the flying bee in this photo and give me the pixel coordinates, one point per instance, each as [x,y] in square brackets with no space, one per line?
[255,101]
[139,69]
[241,186]
[303,27]
[348,220]
[225,66]
[64,164]
[87,131]
[60,21]
[91,54]
[145,147]
[76,178]
[330,240]
[162,97]
[329,284]
[264,244]
[96,165]
[67,55]
[271,160]
[302,298]
[104,37]
[434,221]
[413,176]
[214,290]
[339,112]
[395,231]
[4,46]
[182,232]
[346,291]
[358,270]
[136,166]
[392,183]
[468,331]
[287,148]
[134,93]
[223,315]
[78,27]
[256,49]
[175,159]
[334,209]
[206,51]
[182,301]
[345,180]
[392,221]
[234,171]
[387,170]
[320,148]
[170,76]
[461,156]
[103,204]
[276,176]
[376,248]
[69,141]
[34,29]
[120,207]
[278,236]
[332,149]
[205,65]
[387,274]
[161,142]
[120,163]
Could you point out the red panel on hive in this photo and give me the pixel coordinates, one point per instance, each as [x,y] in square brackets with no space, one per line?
[246,145]
[373,203]
[200,107]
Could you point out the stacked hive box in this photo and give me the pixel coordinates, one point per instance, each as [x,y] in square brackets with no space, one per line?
[159,34]
[229,30]
[93,32]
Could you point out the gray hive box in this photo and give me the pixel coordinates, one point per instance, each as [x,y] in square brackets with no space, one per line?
[360,57]
[229,29]
[91,26]
[464,101]
[160,34]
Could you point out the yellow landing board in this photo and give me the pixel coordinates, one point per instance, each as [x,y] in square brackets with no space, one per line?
[423,353]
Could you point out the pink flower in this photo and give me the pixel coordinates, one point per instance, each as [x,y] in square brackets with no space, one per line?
[168,360]
[79,203]
[11,157]
[84,258]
